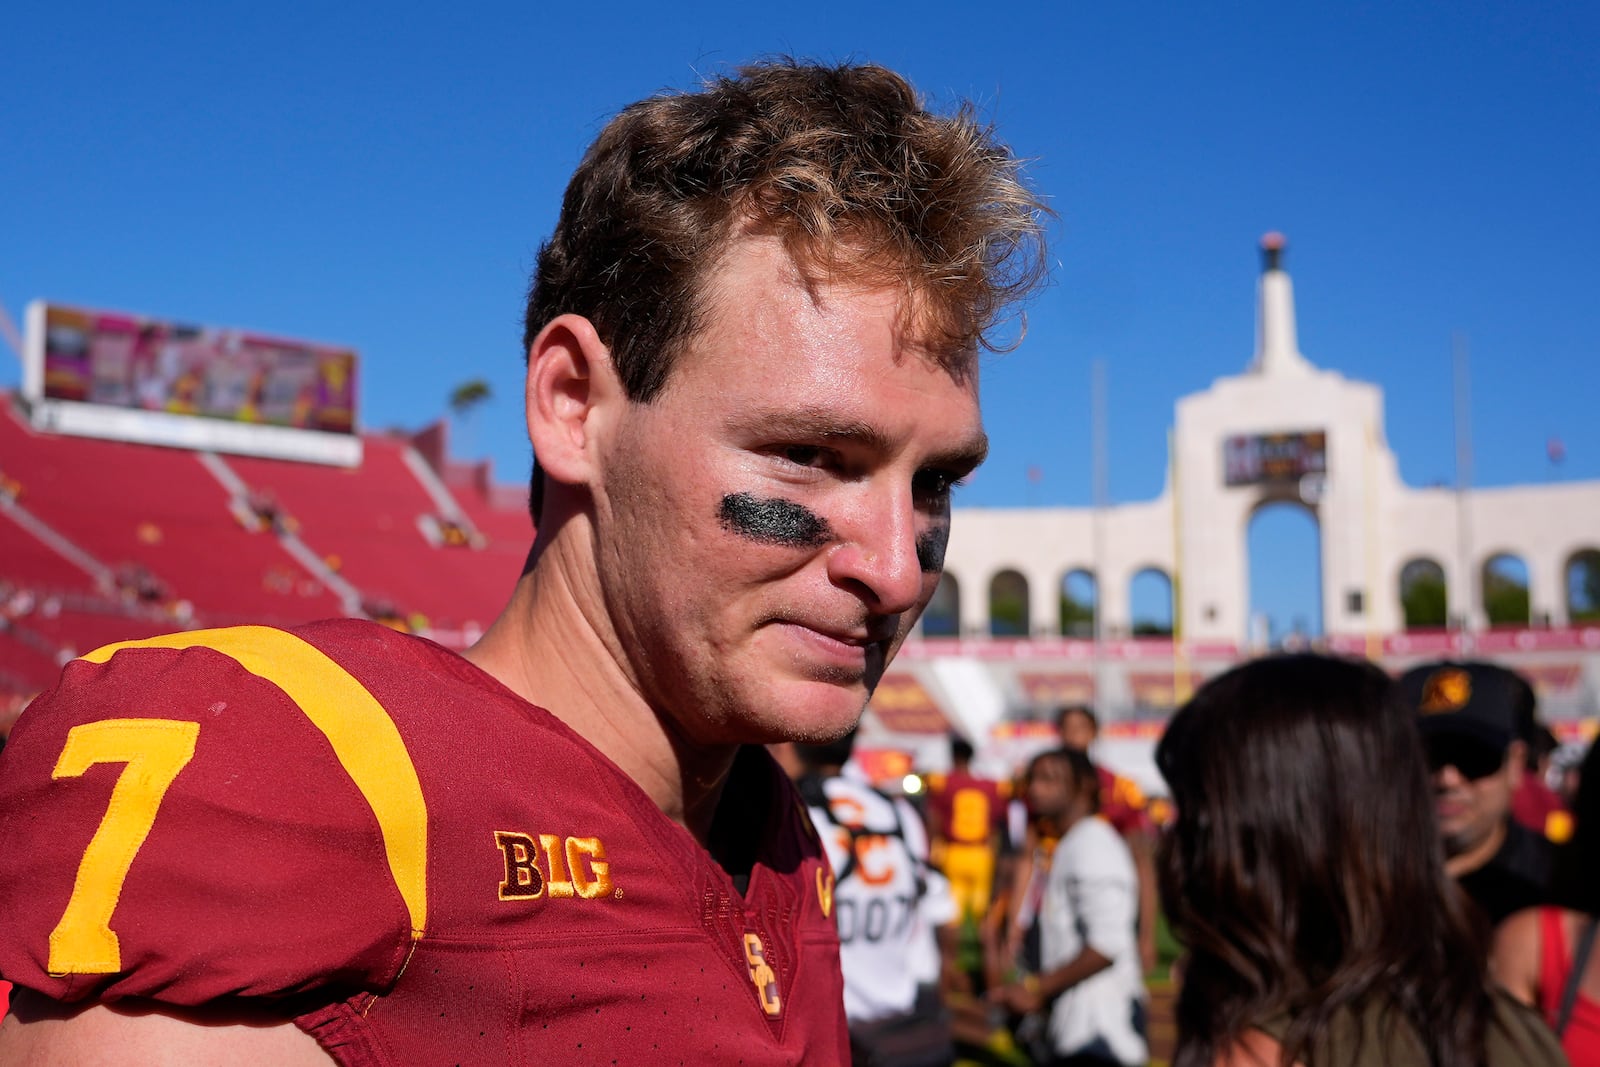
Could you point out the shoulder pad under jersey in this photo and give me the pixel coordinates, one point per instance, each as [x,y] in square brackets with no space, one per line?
[209,814]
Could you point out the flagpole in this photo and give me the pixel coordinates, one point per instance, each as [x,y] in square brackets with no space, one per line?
[1101,490]
[1469,578]
[1180,658]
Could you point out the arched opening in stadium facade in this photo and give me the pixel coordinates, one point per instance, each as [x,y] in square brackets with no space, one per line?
[1505,590]
[1283,547]
[1008,605]
[1080,601]
[942,617]
[1150,602]
[1583,585]
[1424,600]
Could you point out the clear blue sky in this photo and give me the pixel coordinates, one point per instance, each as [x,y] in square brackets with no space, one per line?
[381,175]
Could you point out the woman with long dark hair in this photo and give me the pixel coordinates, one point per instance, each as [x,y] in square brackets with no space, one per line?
[1546,956]
[1305,877]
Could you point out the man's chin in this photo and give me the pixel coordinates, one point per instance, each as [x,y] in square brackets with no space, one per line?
[815,712]
[1456,841]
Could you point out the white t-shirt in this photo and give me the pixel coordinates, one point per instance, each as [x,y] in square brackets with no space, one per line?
[1091,898]
[887,940]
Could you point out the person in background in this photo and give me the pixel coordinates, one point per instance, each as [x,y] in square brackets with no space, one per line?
[1545,956]
[894,912]
[1089,986]
[964,817]
[1011,934]
[1003,929]
[1305,879]
[1473,718]
[1534,804]
[1123,805]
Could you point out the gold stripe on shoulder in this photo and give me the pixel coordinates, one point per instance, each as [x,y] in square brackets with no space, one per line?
[363,736]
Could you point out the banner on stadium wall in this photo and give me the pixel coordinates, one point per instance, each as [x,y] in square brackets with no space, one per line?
[1151,690]
[903,706]
[1058,689]
[1254,459]
[131,378]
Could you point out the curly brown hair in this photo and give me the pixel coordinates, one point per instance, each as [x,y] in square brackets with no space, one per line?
[844,164]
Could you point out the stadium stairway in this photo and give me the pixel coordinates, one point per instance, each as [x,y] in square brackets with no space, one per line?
[386,531]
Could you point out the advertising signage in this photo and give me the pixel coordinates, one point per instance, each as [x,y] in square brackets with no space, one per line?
[1282,458]
[108,374]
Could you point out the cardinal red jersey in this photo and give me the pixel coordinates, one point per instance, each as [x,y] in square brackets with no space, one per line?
[445,872]
[966,812]
[1122,804]
[964,808]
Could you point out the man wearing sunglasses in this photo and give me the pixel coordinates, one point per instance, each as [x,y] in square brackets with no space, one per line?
[1475,719]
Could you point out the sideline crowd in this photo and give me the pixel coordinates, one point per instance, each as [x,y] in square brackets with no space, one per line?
[1354,869]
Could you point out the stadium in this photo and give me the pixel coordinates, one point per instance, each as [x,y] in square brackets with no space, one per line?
[147,517]
[157,477]
[1040,607]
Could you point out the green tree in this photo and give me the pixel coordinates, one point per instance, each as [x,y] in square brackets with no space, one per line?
[1008,605]
[465,400]
[1505,595]
[1078,602]
[1422,595]
[1077,618]
[468,397]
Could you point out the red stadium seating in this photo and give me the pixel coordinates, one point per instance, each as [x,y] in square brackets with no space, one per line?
[46,568]
[367,523]
[159,546]
[142,510]
[24,668]
[74,631]
[497,510]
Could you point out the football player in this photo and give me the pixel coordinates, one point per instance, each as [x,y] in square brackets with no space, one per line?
[752,382]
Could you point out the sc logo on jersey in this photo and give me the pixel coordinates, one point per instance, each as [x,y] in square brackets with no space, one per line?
[762,975]
[549,865]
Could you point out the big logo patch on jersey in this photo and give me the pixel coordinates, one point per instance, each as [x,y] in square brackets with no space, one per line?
[553,866]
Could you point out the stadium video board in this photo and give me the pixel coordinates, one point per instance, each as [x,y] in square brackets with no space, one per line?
[1256,459]
[108,374]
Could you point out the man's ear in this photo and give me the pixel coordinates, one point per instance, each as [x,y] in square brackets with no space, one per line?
[570,389]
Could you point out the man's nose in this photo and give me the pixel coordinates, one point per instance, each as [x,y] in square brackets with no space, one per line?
[878,555]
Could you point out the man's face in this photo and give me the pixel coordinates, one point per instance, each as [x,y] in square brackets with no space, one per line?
[1472,787]
[771,524]
[1077,732]
[1050,787]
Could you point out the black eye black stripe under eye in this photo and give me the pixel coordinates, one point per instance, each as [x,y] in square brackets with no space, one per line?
[773,522]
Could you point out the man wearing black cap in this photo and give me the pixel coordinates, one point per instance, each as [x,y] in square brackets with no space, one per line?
[1474,719]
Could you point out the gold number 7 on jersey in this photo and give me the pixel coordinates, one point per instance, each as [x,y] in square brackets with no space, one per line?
[155,750]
